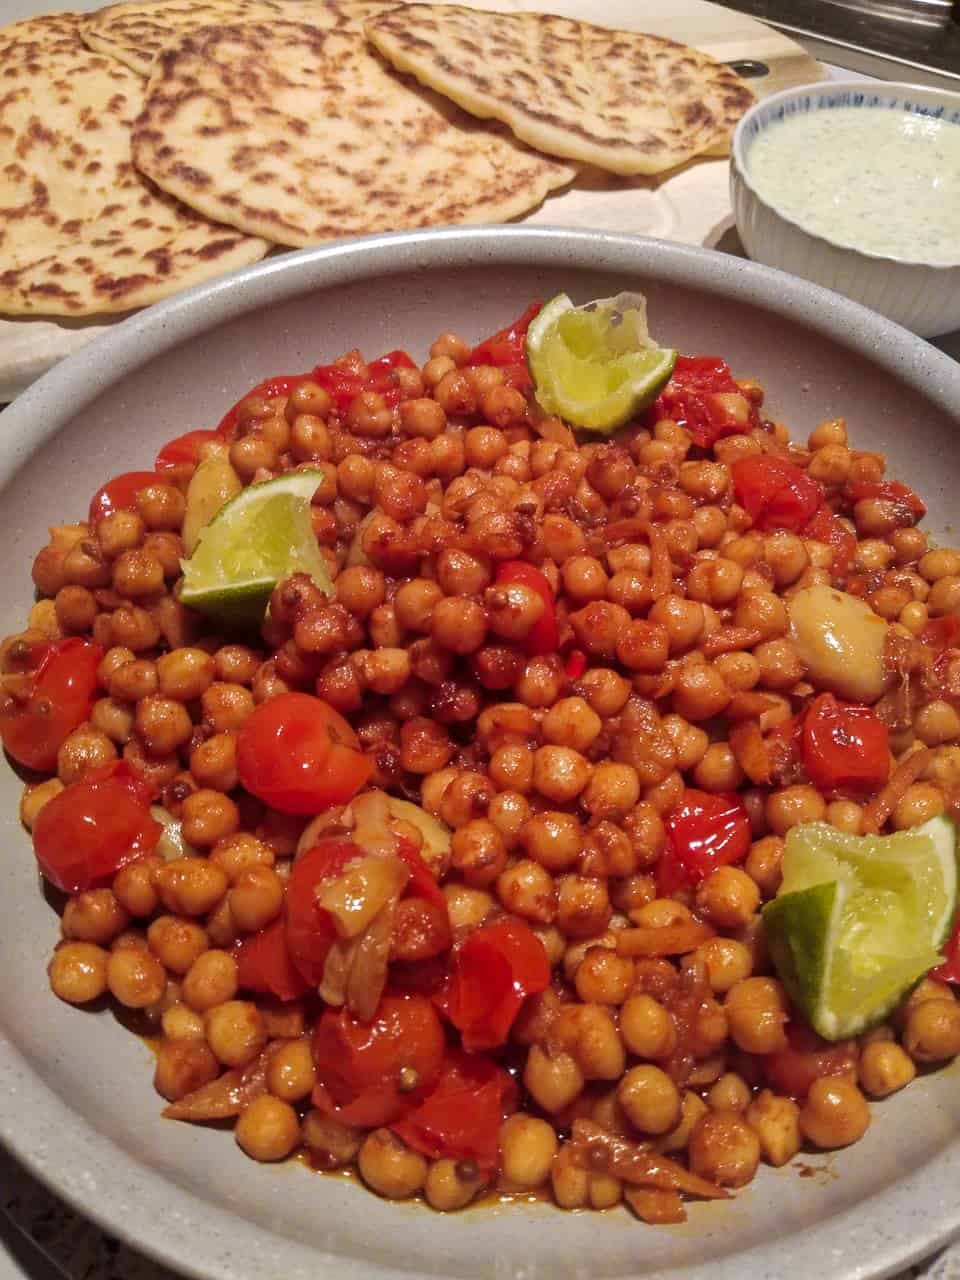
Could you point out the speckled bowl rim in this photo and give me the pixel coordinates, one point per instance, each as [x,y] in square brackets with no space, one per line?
[122,1195]
[738,153]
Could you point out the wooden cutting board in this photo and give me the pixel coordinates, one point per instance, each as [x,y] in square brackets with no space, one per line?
[691,205]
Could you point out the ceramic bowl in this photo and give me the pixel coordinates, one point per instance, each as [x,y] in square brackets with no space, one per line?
[924,297]
[76,1101]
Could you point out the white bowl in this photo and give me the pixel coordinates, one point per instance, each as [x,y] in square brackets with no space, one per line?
[922,296]
[76,1101]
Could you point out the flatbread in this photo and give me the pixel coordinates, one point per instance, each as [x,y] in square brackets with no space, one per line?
[136,31]
[81,232]
[304,135]
[622,100]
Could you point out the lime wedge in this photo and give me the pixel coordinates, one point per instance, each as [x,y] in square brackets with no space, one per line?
[859,919]
[254,541]
[596,366]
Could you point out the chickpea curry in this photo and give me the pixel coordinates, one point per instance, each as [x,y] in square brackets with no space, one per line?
[454,870]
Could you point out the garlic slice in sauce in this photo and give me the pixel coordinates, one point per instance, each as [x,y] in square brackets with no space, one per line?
[841,642]
[171,844]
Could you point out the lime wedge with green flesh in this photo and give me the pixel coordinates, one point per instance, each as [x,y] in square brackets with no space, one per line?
[596,366]
[858,920]
[255,540]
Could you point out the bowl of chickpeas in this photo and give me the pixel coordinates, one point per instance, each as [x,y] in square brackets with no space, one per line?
[435,902]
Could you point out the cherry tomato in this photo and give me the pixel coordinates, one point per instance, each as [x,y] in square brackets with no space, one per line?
[949,971]
[845,747]
[576,664]
[84,835]
[507,349]
[264,964]
[373,1073]
[941,633]
[298,755]
[269,389]
[688,399]
[60,699]
[310,931]
[704,832]
[184,450]
[544,636]
[119,494]
[888,491]
[422,882]
[382,375]
[777,494]
[793,1070]
[824,526]
[462,1116]
[491,975]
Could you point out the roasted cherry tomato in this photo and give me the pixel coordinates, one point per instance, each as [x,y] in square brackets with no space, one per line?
[269,389]
[422,882]
[185,449]
[310,930]
[941,633]
[704,832]
[373,1073]
[888,491]
[824,526]
[84,835]
[793,1070]
[60,699]
[461,1118]
[119,494]
[776,494]
[344,384]
[491,975]
[544,636]
[689,400]
[264,964]
[507,350]
[845,747]
[298,755]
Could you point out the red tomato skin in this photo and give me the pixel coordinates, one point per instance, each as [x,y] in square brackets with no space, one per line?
[685,399]
[941,633]
[184,450]
[84,835]
[826,527]
[544,636]
[358,1064]
[300,756]
[793,1070]
[507,348]
[845,747]
[422,882]
[310,931]
[461,1118]
[119,494]
[949,971]
[706,831]
[264,963]
[775,493]
[491,974]
[889,491]
[64,685]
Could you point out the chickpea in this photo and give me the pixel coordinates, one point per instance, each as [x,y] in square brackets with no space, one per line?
[717,769]
[213,763]
[932,1031]
[603,977]
[267,1129]
[552,1079]
[176,942]
[835,1113]
[225,706]
[527,1150]
[730,1093]
[776,1122]
[452,1184]
[583,906]
[185,674]
[94,916]
[36,796]
[647,1028]
[208,816]
[884,1068]
[650,1099]
[692,1107]
[332,1144]
[727,962]
[700,692]
[256,897]
[560,773]
[792,806]
[210,980]
[78,972]
[161,506]
[291,1073]
[466,908]
[389,1167]
[136,978]
[478,852]
[724,1149]
[526,889]
[756,1010]
[82,752]
[235,1032]
[728,897]
[134,889]
[920,802]
[183,1065]
[190,886]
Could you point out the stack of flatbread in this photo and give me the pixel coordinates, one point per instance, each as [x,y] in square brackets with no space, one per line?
[151,145]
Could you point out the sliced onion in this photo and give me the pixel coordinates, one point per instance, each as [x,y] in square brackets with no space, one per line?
[336,970]
[355,897]
[227,1095]
[368,971]
[171,844]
